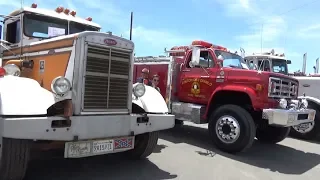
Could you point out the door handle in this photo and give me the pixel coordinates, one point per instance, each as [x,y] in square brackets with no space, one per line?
[204,76]
[185,70]
[306,85]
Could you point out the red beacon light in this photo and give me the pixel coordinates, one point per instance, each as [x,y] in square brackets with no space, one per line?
[2,72]
[34,5]
[73,13]
[66,11]
[201,43]
[59,9]
[89,19]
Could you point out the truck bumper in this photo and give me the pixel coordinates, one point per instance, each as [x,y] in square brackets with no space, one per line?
[84,127]
[287,118]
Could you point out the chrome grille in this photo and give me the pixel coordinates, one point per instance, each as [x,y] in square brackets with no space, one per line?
[106,82]
[282,88]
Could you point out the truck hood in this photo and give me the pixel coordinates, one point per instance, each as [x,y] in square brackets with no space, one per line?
[245,75]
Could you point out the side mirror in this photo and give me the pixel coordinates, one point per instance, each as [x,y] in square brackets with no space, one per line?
[0,32]
[195,56]
[288,61]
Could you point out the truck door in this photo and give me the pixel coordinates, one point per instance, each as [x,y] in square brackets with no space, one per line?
[196,82]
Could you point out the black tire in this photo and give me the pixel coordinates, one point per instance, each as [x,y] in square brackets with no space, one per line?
[14,159]
[314,132]
[272,134]
[178,123]
[246,124]
[144,145]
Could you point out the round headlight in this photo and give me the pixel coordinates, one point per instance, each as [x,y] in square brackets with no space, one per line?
[60,85]
[139,90]
[12,69]
[304,103]
[283,103]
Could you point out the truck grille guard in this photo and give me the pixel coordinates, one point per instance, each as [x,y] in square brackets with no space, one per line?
[106,80]
[282,88]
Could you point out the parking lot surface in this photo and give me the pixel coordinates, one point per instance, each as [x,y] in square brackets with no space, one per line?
[187,153]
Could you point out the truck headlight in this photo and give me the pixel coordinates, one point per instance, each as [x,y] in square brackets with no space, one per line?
[60,85]
[304,103]
[139,90]
[283,103]
[12,69]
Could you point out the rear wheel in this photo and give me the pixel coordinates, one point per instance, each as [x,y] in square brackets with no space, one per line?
[272,134]
[144,145]
[14,159]
[308,131]
[232,128]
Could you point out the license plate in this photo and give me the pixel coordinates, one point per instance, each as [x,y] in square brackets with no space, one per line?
[96,147]
[102,146]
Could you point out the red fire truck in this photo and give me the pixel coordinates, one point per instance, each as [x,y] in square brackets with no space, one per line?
[206,83]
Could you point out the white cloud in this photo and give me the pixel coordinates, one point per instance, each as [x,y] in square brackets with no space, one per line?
[310,32]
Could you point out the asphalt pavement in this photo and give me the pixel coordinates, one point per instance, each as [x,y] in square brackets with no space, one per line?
[186,153]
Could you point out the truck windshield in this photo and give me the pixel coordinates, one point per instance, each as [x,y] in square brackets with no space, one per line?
[43,26]
[77,27]
[231,60]
[47,27]
[279,66]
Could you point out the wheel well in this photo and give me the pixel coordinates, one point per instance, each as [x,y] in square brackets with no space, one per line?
[230,97]
[137,109]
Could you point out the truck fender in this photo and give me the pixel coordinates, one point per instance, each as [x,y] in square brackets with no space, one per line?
[249,91]
[152,101]
[23,96]
[311,99]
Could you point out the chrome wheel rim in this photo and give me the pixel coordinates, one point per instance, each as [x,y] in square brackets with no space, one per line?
[304,128]
[227,129]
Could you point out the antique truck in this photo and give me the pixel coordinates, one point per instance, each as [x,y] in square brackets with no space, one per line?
[308,85]
[64,85]
[206,83]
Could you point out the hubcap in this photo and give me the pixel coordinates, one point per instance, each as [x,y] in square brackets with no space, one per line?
[227,129]
[304,128]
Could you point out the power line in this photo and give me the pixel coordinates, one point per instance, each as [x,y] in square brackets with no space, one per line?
[298,7]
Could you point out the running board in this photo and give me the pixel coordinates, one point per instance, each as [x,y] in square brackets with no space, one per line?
[189,112]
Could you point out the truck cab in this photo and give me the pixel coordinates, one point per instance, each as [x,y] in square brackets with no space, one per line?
[206,83]
[64,85]
[277,63]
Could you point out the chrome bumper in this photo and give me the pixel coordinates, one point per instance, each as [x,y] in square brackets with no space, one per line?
[287,118]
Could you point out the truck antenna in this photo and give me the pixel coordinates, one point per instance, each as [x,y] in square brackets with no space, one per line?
[131,21]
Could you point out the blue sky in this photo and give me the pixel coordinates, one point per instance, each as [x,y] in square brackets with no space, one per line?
[231,23]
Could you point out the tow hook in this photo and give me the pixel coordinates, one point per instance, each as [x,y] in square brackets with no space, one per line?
[143,119]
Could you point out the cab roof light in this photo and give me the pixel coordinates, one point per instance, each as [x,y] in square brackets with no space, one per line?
[73,13]
[66,11]
[89,18]
[34,5]
[59,9]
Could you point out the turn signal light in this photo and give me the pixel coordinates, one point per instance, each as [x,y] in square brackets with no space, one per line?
[259,87]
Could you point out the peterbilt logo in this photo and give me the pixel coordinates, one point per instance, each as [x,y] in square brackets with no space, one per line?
[110,42]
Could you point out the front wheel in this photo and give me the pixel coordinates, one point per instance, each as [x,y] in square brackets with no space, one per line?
[14,158]
[272,134]
[308,131]
[144,145]
[232,128]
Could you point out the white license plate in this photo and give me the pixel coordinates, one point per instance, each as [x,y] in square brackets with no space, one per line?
[88,148]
